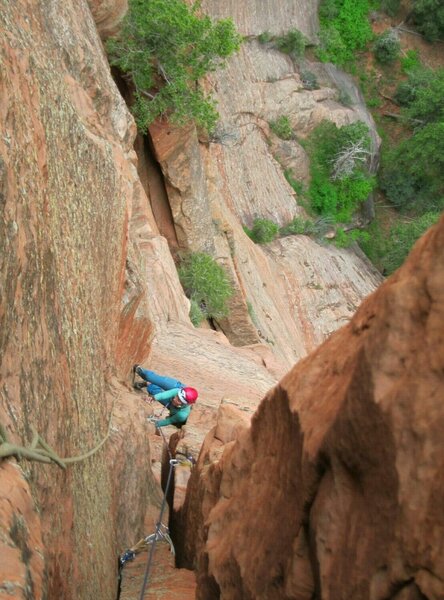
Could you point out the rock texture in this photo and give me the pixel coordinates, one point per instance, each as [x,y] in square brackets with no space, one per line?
[253,17]
[270,282]
[337,489]
[89,286]
[108,14]
[67,184]
[21,546]
[214,188]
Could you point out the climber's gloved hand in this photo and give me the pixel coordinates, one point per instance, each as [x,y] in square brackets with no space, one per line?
[152,420]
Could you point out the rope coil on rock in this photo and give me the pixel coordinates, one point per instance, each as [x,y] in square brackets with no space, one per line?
[41,451]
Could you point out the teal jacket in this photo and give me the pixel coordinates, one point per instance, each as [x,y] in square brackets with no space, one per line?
[178,414]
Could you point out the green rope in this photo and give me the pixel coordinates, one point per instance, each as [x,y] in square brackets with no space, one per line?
[41,451]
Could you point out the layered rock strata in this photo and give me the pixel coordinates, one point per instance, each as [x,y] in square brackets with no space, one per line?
[218,185]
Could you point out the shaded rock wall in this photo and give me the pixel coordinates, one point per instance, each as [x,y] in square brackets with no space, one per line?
[337,489]
[67,185]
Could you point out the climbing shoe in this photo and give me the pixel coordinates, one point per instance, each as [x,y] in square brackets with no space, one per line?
[139,385]
[136,369]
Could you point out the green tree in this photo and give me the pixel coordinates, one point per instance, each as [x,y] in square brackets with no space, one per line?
[340,180]
[428,17]
[402,238]
[206,284]
[389,249]
[412,174]
[391,7]
[166,46]
[427,105]
[407,91]
[387,47]
[344,29]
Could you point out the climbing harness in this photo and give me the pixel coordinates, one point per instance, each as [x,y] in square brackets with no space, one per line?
[161,532]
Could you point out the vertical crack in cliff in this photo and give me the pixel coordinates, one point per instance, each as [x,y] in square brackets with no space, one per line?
[153,182]
[150,172]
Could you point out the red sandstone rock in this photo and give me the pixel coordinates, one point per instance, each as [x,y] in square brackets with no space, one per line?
[21,546]
[108,14]
[338,488]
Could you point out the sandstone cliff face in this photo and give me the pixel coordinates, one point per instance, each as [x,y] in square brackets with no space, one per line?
[67,184]
[89,286]
[336,490]
[216,186]
[253,17]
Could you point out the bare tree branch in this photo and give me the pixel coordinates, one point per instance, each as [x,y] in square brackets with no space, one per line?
[347,158]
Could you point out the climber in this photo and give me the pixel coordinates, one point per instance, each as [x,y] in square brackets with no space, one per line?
[171,393]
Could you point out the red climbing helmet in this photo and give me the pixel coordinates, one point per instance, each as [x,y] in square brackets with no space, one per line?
[190,395]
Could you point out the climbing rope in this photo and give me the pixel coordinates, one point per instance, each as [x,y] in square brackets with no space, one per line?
[159,526]
[161,530]
[41,451]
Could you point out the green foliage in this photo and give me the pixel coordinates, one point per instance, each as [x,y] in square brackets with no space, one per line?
[263,231]
[374,102]
[412,174]
[344,239]
[297,226]
[388,250]
[339,197]
[344,29]
[206,284]
[397,183]
[410,61]
[370,87]
[387,47]
[428,17]
[166,48]
[407,91]
[282,128]
[375,246]
[352,191]
[297,186]
[428,103]
[344,98]
[309,80]
[265,37]
[292,43]
[402,238]
[391,7]
[196,313]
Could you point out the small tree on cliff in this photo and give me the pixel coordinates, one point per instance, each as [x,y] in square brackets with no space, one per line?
[166,47]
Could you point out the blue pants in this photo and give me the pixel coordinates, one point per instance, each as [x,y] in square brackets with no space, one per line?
[159,383]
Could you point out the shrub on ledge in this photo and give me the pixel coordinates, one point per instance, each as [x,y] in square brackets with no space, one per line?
[263,231]
[206,284]
[165,47]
